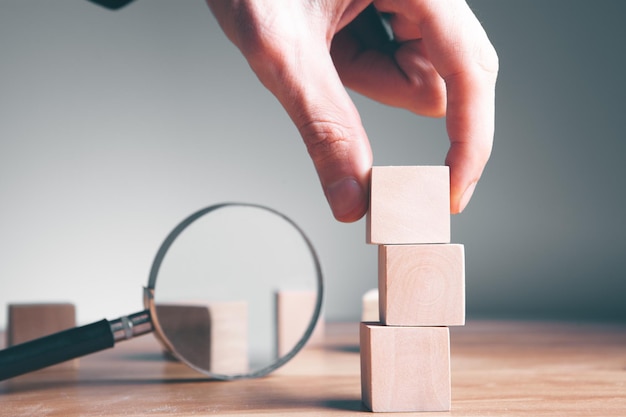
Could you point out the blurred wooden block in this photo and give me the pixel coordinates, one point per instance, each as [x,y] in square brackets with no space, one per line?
[31,321]
[187,328]
[294,310]
[229,335]
[212,336]
[369,311]
[409,205]
[405,368]
[422,285]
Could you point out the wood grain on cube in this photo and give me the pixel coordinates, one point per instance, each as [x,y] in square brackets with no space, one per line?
[369,308]
[212,336]
[294,311]
[409,204]
[422,285]
[405,368]
[27,322]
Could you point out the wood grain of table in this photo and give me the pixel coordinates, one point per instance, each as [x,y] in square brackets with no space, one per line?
[499,368]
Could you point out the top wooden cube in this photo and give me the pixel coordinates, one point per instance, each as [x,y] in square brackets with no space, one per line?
[409,205]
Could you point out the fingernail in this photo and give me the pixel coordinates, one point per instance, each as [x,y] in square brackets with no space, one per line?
[344,196]
[467,195]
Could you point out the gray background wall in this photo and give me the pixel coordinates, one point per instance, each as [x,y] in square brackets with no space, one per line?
[116,125]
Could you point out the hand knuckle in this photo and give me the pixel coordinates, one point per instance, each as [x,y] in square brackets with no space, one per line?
[325,140]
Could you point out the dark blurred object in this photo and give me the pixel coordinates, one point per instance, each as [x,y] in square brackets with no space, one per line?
[112,4]
[370,29]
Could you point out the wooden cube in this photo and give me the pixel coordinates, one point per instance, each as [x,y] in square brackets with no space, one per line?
[212,336]
[405,368]
[408,205]
[27,322]
[421,285]
[294,310]
[369,309]
[229,337]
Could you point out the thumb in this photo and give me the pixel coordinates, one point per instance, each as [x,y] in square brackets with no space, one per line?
[311,92]
[287,46]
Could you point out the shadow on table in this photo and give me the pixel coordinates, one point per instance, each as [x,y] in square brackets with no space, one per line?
[347,405]
[25,385]
[345,348]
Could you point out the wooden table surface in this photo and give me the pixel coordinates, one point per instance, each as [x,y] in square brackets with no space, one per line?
[498,369]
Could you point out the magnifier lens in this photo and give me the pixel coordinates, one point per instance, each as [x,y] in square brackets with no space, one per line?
[217,280]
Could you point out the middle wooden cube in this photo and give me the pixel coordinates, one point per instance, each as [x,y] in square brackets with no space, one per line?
[421,285]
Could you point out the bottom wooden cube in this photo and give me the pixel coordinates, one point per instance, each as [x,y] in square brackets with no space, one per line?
[405,368]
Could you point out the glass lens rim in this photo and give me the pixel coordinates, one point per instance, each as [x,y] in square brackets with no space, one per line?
[158,260]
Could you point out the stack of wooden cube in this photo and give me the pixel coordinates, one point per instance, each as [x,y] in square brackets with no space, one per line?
[405,358]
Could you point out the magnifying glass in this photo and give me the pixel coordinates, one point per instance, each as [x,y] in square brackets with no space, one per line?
[222,273]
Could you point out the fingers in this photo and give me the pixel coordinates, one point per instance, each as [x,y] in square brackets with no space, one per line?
[462,55]
[373,64]
[470,125]
[406,78]
[445,64]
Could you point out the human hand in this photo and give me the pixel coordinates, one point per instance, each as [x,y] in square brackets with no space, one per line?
[304,52]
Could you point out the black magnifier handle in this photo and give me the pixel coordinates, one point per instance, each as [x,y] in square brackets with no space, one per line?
[69,344]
